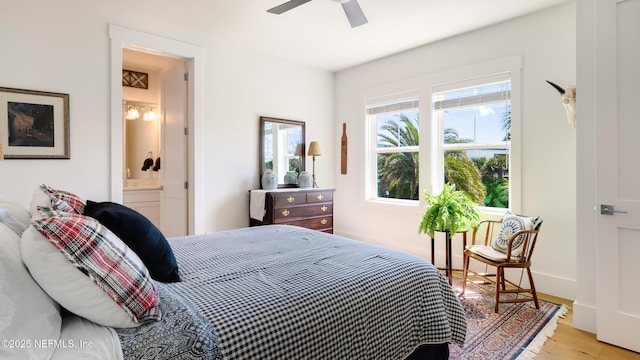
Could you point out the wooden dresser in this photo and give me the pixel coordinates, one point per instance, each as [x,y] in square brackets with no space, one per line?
[310,208]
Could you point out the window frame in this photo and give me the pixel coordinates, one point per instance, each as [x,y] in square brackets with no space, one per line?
[428,158]
[388,101]
[463,77]
[440,147]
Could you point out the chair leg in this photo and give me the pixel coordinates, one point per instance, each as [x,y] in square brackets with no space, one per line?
[465,272]
[504,284]
[533,288]
[499,280]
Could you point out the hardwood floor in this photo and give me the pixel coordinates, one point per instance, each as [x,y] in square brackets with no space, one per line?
[569,343]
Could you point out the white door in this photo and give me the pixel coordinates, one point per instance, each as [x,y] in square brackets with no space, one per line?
[174,216]
[618,171]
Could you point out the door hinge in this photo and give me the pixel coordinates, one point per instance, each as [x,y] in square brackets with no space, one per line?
[186,185]
[186,76]
[186,131]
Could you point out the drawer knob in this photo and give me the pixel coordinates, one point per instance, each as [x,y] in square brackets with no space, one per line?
[324,221]
[285,212]
[291,199]
[320,196]
[324,208]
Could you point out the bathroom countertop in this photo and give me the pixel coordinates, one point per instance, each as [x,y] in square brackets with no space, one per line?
[142,187]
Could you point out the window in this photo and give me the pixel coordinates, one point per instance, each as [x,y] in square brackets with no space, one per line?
[473,121]
[460,126]
[394,127]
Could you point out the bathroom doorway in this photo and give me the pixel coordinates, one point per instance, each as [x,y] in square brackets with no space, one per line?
[155,146]
[179,148]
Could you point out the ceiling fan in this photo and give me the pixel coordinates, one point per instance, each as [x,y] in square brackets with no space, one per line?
[351,9]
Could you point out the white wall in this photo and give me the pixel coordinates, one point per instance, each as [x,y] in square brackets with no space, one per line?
[546,43]
[63,46]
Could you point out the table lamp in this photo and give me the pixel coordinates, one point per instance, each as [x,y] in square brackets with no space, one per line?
[314,150]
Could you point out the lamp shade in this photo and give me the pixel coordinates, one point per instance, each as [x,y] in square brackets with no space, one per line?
[314,149]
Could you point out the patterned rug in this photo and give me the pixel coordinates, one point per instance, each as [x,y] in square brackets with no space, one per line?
[518,331]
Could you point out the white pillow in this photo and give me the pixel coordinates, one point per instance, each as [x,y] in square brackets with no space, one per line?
[39,199]
[14,215]
[27,313]
[87,340]
[65,283]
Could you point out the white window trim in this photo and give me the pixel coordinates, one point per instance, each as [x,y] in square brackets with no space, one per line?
[400,92]
[432,160]
[423,85]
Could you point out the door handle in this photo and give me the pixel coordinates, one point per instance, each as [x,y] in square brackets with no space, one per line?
[609,210]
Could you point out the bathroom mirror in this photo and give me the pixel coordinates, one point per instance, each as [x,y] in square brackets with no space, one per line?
[282,149]
[142,140]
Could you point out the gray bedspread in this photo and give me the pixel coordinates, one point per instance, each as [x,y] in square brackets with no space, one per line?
[284,292]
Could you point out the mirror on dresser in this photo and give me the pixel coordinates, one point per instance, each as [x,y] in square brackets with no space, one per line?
[282,149]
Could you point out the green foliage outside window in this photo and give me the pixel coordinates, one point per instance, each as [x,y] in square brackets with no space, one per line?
[485,181]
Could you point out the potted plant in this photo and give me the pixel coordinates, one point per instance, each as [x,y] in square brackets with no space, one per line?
[451,211]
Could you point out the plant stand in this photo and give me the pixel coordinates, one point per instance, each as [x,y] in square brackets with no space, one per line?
[448,253]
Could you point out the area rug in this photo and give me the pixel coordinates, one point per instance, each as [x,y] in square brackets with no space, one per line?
[517,331]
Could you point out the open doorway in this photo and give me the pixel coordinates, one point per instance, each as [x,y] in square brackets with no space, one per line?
[178,116]
[155,146]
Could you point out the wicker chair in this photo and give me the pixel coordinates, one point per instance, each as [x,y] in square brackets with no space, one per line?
[506,255]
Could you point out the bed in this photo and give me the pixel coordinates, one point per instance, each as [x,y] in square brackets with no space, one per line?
[268,292]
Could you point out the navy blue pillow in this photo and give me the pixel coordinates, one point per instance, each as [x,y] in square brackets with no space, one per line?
[144,238]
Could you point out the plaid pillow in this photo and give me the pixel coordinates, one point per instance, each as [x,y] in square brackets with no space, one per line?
[64,200]
[104,258]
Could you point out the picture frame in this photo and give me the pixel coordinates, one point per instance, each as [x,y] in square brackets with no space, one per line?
[34,124]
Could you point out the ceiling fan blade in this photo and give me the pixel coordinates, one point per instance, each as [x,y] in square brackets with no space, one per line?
[287,6]
[354,13]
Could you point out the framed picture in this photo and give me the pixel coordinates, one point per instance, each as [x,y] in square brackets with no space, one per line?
[34,124]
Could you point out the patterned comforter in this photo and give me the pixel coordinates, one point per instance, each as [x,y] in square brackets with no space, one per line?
[284,292]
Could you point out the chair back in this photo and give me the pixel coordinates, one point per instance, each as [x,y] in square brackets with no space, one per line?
[529,244]
[487,233]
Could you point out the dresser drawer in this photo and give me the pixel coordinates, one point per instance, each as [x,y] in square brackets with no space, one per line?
[309,208]
[293,212]
[288,199]
[319,196]
[319,223]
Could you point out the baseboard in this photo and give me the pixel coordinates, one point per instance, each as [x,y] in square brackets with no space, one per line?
[584,317]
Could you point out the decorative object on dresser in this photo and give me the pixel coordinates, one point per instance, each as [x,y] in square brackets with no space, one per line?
[269,180]
[309,208]
[314,150]
[305,180]
[290,178]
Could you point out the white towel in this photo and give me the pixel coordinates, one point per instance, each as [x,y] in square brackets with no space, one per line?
[257,205]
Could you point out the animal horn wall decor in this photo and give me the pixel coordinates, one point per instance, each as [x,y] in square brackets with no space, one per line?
[568,100]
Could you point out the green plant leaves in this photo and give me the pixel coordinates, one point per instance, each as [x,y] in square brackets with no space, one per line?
[451,210]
